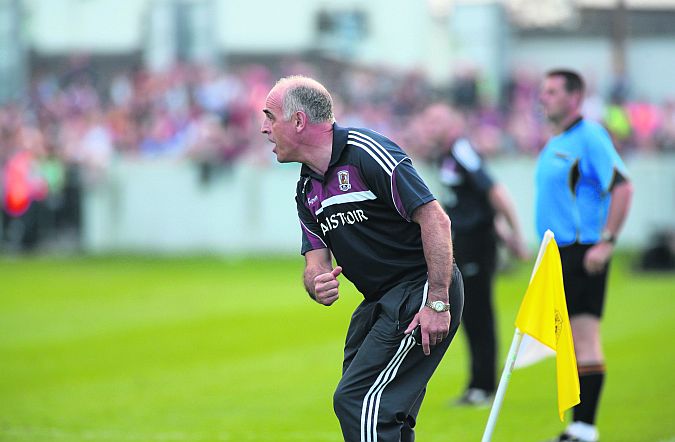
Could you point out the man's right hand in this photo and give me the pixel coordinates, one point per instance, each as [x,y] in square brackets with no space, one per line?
[326,286]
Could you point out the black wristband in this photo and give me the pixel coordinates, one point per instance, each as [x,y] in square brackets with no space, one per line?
[607,236]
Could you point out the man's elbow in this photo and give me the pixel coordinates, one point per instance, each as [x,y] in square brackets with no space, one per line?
[440,217]
[429,211]
[445,221]
[441,220]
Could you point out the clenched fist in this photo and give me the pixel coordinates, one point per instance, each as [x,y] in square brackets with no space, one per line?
[326,286]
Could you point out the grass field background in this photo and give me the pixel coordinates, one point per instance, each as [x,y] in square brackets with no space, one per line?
[205,349]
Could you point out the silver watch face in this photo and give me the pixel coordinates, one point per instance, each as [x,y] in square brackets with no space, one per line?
[439,306]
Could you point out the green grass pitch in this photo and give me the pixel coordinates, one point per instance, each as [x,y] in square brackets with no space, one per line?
[204,349]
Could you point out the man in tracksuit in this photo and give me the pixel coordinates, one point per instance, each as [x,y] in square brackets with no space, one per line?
[361,201]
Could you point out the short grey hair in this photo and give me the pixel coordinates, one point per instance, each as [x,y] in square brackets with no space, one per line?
[309,96]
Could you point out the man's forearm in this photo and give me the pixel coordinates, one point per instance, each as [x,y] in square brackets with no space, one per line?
[437,244]
[501,203]
[622,195]
[308,279]
[316,262]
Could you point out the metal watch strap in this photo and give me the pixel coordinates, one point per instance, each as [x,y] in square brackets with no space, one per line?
[430,304]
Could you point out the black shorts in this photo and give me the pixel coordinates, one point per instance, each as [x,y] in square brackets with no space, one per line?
[585,293]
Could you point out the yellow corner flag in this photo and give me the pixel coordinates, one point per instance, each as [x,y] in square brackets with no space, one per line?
[543,315]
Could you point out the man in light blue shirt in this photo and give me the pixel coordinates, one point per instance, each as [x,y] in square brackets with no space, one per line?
[583,195]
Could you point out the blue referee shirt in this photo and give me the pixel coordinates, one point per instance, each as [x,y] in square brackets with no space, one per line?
[574,177]
[361,210]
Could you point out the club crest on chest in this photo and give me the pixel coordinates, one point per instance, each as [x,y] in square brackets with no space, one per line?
[343,180]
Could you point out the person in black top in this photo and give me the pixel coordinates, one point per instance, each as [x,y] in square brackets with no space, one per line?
[361,201]
[481,211]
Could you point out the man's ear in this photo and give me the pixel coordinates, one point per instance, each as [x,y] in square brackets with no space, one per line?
[300,120]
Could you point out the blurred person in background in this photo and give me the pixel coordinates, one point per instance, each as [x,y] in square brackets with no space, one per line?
[645,119]
[666,135]
[361,201]
[617,122]
[24,188]
[481,210]
[583,195]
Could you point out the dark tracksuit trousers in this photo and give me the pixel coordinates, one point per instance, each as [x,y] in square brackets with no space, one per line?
[384,372]
[476,255]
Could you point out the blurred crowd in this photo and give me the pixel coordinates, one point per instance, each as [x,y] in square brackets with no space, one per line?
[209,114]
[72,125]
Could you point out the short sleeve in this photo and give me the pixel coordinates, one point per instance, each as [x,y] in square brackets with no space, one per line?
[473,164]
[409,191]
[309,227]
[400,187]
[604,161]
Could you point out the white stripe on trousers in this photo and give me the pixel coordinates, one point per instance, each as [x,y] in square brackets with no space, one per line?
[371,402]
[369,412]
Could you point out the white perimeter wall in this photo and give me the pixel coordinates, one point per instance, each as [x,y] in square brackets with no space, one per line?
[162,207]
[650,62]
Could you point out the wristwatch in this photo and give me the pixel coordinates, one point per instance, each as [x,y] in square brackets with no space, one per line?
[607,236]
[438,306]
